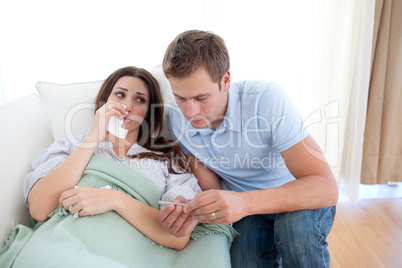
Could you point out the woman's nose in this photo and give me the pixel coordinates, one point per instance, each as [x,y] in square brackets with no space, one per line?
[128,107]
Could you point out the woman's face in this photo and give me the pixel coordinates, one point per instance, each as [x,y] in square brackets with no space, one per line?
[133,93]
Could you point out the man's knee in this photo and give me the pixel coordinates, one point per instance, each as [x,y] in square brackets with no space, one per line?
[303,222]
[294,239]
[300,236]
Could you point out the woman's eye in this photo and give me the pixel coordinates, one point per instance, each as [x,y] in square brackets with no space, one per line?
[120,95]
[141,100]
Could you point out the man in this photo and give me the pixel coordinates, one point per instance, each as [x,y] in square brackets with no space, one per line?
[257,164]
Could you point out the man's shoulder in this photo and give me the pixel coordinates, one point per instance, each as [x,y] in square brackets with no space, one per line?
[258,91]
[175,120]
[256,87]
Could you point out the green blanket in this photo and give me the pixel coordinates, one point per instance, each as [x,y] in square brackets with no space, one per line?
[107,240]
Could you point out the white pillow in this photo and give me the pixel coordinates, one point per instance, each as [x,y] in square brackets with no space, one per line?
[167,96]
[71,106]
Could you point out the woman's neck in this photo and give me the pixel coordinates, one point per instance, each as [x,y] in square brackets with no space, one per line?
[121,146]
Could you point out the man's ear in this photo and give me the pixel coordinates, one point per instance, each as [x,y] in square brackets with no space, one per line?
[226,81]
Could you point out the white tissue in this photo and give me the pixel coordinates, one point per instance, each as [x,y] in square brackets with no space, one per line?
[115,128]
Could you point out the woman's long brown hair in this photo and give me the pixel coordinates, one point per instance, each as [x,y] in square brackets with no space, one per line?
[149,135]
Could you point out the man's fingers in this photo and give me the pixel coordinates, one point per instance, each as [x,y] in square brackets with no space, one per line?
[199,201]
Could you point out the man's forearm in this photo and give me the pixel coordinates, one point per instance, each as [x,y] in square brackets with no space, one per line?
[311,192]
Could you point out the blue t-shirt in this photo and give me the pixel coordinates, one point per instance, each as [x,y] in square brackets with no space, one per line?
[260,123]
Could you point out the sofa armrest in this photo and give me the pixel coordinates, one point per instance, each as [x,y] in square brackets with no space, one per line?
[25,131]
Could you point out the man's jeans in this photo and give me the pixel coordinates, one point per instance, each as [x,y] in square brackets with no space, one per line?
[292,239]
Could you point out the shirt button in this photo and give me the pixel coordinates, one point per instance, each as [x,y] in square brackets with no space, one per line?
[222,157]
[217,146]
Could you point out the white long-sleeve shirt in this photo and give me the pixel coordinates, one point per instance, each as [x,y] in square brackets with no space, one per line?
[170,185]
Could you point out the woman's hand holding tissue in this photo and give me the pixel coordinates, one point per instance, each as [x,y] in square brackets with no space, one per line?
[103,115]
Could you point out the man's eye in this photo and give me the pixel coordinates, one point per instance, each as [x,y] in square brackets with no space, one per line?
[201,98]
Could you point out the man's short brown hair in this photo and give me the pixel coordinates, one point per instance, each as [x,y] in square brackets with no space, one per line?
[193,49]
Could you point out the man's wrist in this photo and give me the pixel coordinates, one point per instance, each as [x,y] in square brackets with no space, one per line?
[255,202]
[246,200]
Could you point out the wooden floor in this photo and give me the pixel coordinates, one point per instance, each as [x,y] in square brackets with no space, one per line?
[367,234]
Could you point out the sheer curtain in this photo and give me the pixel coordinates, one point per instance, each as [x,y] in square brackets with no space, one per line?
[357,91]
[339,79]
[319,51]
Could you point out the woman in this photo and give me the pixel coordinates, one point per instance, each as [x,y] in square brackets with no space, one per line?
[133,95]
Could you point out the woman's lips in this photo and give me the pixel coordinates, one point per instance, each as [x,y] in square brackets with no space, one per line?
[126,119]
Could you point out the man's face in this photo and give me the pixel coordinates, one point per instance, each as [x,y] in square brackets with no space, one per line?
[200,99]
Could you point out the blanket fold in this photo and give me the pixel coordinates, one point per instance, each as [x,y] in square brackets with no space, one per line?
[107,240]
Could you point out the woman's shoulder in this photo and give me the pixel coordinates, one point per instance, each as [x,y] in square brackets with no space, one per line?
[66,144]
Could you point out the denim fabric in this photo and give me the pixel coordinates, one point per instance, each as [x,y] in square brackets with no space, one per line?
[292,239]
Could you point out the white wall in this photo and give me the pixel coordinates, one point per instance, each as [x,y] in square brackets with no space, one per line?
[75,41]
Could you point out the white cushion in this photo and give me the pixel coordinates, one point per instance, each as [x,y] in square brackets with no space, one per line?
[70,107]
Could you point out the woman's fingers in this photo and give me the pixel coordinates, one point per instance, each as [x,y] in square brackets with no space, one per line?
[65,196]
[175,221]
[102,117]
[113,108]
[87,200]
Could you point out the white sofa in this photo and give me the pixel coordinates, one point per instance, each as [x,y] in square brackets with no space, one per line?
[25,130]
[31,123]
